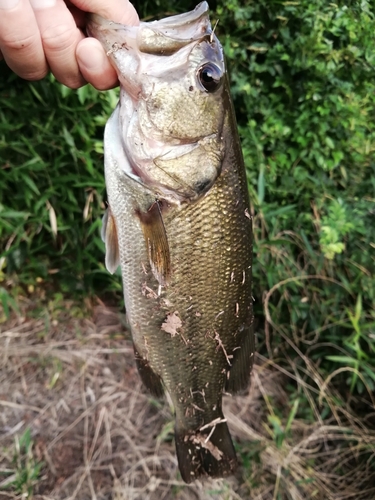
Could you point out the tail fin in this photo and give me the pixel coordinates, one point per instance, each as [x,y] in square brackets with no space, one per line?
[205,453]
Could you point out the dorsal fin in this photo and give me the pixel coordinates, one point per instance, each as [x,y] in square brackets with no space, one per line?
[109,236]
[157,242]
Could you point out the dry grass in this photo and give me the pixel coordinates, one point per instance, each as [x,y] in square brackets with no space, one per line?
[74,384]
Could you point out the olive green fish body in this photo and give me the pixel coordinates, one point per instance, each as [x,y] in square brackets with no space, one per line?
[184,246]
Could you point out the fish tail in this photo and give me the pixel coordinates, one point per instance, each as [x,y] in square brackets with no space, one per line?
[208,452]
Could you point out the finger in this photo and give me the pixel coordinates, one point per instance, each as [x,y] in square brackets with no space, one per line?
[95,66]
[120,11]
[20,41]
[60,37]
[93,62]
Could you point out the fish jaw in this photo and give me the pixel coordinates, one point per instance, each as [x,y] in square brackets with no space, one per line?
[163,36]
[124,43]
[112,36]
[170,125]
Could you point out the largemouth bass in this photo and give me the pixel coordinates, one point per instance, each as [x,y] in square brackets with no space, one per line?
[178,223]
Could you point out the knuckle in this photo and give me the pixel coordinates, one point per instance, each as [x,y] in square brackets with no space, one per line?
[24,55]
[58,38]
[15,42]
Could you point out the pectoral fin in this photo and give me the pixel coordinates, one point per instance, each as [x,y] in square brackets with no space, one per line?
[109,236]
[157,242]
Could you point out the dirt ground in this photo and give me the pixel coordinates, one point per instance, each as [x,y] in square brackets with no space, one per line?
[94,433]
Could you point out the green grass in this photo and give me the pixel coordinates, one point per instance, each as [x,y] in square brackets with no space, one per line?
[26,469]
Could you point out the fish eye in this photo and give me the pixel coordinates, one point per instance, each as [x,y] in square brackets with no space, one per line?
[210,77]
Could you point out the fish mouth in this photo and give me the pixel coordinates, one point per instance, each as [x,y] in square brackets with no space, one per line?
[162,37]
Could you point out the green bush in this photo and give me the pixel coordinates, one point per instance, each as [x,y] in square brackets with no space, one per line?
[51,181]
[303,82]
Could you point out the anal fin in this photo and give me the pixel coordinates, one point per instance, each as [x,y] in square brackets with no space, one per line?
[157,242]
[150,379]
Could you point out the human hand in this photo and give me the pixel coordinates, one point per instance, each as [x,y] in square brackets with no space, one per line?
[41,35]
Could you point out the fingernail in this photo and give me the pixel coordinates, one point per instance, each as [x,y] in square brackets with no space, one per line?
[92,60]
[8,4]
[42,4]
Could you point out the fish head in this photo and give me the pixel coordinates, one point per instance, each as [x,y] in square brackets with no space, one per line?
[172,78]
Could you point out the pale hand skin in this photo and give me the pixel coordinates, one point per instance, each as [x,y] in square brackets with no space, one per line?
[37,36]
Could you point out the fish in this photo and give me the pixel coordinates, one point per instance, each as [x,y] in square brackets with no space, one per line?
[178,224]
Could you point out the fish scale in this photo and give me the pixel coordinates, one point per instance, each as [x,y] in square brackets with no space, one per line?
[185,249]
